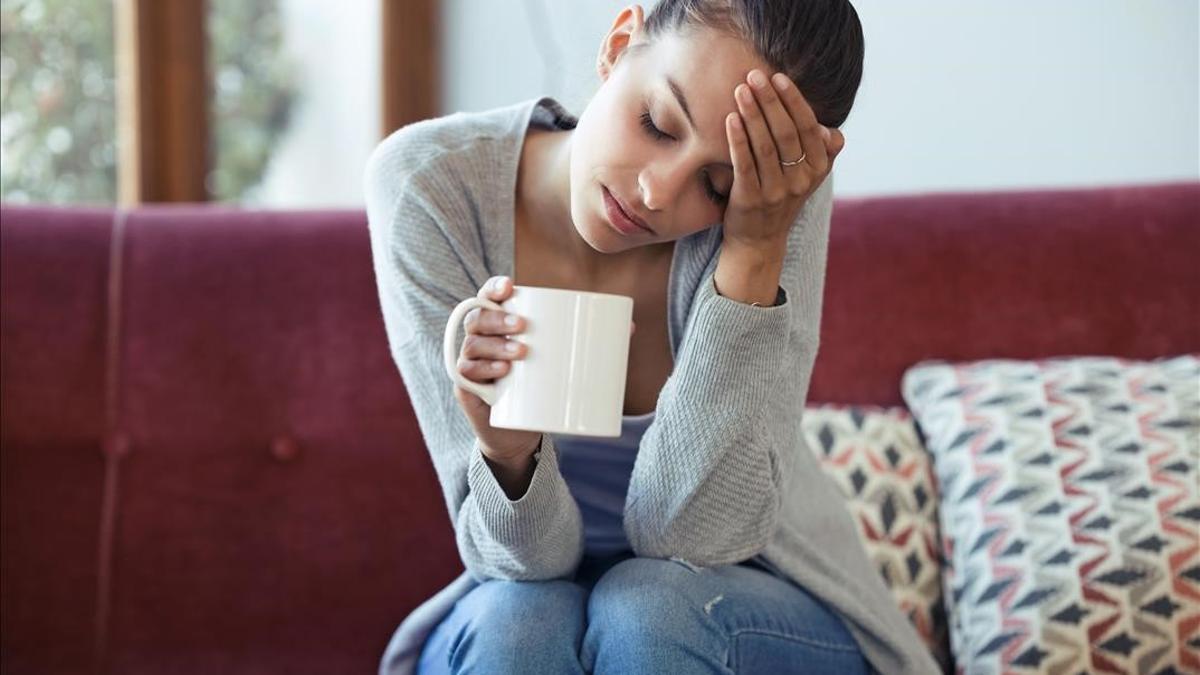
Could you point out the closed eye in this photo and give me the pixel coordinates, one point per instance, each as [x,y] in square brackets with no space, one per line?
[658,134]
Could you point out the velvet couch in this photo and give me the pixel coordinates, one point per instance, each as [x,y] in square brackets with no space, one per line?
[209,464]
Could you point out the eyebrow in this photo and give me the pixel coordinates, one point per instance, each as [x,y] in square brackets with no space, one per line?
[687,112]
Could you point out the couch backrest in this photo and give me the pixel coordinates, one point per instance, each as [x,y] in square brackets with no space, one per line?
[210,463]
[209,460]
[1027,274]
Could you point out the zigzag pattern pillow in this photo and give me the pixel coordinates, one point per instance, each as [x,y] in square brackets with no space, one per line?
[1070,511]
[874,456]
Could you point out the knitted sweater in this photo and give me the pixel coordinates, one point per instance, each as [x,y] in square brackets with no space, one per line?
[723,473]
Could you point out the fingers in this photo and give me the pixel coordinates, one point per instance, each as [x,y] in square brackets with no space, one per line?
[482,370]
[496,289]
[805,120]
[745,176]
[779,119]
[486,352]
[835,143]
[762,145]
[776,124]
[486,357]
[781,134]
[490,347]
[490,322]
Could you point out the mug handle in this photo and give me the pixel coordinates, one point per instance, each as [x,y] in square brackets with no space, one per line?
[487,392]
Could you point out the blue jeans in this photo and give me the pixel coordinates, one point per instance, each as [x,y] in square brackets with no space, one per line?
[629,615]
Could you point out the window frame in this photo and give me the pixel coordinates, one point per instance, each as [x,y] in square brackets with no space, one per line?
[164,90]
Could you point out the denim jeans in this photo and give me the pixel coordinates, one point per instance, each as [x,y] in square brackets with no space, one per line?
[628,615]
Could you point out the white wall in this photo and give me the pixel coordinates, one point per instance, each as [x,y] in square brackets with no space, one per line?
[335,125]
[956,94]
[974,95]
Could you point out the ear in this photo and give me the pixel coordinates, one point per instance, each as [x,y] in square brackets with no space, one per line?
[626,27]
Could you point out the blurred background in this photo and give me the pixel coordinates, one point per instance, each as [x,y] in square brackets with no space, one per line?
[277,103]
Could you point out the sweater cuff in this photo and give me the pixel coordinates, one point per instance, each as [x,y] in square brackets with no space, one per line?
[524,520]
[712,308]
[780,295]
[739,343]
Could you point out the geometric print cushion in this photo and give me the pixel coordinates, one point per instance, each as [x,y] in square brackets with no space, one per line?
[1070,511]
[874,457]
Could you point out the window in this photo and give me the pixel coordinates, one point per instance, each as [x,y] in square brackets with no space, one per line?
[295,100]
[57,102]
[273,103]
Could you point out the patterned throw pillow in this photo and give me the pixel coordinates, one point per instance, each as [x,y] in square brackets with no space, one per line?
[1070,511]
[875,457]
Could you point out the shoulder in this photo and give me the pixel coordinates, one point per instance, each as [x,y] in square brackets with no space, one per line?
[448,152]
[426,187]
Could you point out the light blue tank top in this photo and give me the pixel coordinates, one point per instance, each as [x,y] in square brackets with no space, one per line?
[597,472]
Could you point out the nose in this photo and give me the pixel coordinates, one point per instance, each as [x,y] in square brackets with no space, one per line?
[660,184]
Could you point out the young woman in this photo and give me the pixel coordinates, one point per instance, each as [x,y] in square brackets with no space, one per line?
[705,538]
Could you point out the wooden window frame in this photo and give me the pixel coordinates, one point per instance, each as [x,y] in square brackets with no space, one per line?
[163,94]
[164,90]
[410,90]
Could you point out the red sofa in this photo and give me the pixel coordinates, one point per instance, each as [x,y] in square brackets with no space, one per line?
[208,460]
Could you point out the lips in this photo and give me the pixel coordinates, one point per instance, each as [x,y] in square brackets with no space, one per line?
[624,211]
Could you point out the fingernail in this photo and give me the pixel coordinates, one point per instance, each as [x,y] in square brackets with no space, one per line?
[511,320]
[511,347]
[757,79]
[780,80]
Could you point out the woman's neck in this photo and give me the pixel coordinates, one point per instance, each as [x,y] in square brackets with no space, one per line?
[543,211]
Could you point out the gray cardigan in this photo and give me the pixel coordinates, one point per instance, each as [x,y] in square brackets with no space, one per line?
[723,473]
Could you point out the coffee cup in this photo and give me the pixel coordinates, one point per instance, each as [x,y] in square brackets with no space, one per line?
[572,378]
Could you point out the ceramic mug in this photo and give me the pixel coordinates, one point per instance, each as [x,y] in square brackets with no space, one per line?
[572,378]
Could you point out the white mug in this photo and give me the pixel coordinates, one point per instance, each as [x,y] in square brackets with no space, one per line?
[572,378]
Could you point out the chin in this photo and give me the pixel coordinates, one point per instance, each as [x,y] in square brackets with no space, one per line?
[597,233]
[599,244]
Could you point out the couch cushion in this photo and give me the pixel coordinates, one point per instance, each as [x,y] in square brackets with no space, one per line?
[874,457]
[1070,509]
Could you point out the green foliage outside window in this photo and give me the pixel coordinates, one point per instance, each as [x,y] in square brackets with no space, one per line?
[253,93]
[57,110]
[58,98]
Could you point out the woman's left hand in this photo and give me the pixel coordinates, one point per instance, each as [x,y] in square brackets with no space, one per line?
[775,124]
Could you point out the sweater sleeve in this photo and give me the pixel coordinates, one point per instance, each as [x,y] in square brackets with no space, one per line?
[424,266]
[707,486]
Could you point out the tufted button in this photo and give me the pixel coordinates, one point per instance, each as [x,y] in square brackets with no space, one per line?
[284,448]
[116,445]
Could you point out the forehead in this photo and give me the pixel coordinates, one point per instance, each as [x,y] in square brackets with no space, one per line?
[707,65]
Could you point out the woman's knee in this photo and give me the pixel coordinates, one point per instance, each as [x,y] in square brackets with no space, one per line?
[641,591]
[650,599]
[517,624]
[645,609]
[650,615]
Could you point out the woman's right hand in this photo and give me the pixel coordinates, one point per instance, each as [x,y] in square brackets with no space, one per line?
[486,355]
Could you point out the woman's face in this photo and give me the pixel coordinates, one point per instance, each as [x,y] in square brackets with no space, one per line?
[677,182]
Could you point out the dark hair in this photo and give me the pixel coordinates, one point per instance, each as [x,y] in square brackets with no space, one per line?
[817,43]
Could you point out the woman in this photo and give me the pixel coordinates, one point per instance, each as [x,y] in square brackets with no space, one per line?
[705,538]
